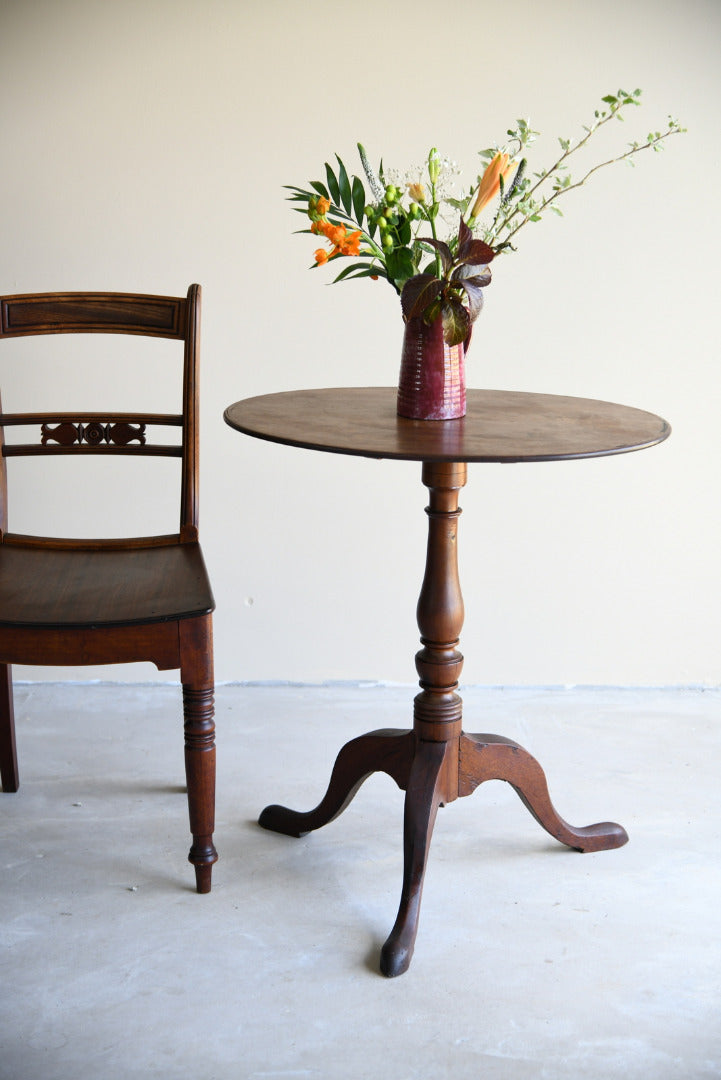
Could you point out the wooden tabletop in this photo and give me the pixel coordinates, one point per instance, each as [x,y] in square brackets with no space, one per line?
[499,425]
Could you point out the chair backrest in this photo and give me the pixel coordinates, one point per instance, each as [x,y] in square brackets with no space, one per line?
[110,433]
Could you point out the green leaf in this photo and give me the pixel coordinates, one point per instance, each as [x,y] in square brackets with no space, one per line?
[332,184]
[299,195]
[359,270]
[359,200]
[374,272]
[320,189]
[399,264]
[344,187]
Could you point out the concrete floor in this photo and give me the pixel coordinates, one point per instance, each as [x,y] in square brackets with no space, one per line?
[532,962]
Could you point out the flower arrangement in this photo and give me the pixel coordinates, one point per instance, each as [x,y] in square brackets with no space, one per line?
[391,230]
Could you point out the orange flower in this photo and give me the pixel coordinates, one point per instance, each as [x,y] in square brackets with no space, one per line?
[499,166]
[318,207]
[344,242]
[334,233]
[351,244]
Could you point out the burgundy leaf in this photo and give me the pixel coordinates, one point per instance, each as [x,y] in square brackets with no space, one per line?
[465,237]
[479,275]
[443,248]
[475,297]
[476,252]
[456,322]
[418,292]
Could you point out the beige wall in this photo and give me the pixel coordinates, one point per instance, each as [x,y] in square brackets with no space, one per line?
[145,144]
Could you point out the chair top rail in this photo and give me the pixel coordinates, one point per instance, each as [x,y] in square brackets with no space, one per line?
[157,419]
[93,313]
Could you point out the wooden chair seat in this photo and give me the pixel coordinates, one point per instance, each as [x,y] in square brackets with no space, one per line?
[82,602]
[67,588]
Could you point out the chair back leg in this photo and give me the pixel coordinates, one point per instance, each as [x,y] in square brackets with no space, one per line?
[196,655]
[8,749]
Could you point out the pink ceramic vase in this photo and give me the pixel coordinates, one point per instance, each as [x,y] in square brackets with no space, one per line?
[432,382]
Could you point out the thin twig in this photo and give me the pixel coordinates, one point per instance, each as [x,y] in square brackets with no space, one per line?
[579,183]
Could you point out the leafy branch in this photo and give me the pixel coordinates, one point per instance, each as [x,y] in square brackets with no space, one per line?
[521,199]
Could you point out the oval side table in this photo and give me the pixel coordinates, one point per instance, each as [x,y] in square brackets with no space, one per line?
[437,762]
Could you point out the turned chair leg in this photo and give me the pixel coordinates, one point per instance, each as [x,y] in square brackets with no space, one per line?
[8,750]
[199,726]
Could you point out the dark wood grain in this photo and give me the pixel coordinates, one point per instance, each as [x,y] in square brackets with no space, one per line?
[499,426]
[92,313]
[83,602]
[64,587]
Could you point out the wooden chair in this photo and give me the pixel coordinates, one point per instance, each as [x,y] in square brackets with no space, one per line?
[78,602]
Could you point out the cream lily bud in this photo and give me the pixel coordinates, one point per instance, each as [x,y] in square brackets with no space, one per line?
[434,166]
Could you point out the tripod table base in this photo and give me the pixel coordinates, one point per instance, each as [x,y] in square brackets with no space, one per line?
[433,773]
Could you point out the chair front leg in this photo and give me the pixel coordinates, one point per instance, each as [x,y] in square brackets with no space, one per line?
[8,751]
[196,650]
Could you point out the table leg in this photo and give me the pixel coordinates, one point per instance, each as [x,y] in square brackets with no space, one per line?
[387,750]
[491,757]
[436,763]
[424,794]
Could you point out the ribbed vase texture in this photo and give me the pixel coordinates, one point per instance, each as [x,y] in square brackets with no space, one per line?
[432,382]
